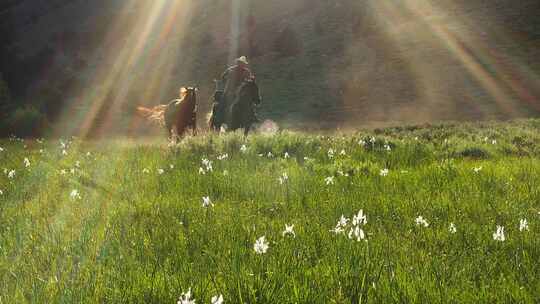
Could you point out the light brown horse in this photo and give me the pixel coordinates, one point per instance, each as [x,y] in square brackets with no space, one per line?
[178,115]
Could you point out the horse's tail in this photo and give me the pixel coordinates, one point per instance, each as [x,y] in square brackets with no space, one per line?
[155,114]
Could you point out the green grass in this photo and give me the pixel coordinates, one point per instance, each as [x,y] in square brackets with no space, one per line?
[137,236]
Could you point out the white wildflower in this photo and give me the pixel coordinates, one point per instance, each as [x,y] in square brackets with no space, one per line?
[201,171]
[357,233]
[64,152]
[477,169]
[78,164]
[362,142]
[499,234]
[171,166]
[387,147]
[225,172]
[270,155]
[1,149]
[283,178]
[222,157]
[261,245]
[26,162]
[217,299]
[338,230]
[286,155]
[41,151]
[494,142]
[11,174]
[243,149]
[384,172]
[343,221]
[185,298]
[207,164]
[452,228]
[359,219]
[523,225]
[329,180]
[63,172]
[207,202]
[340,226]
[75,194]
[343,153]
[289,229]
[420,221]
[330,153]
[1,192]
[145,170]
[160,171]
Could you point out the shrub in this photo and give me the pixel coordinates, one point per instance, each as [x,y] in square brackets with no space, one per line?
[5,97]
[26,121]
[474,152]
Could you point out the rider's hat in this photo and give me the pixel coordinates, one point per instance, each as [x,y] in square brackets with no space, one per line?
[242,59]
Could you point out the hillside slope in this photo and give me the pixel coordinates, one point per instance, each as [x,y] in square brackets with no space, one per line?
[319,63]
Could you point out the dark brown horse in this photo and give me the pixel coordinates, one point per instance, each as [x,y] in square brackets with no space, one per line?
[244,108]
[242,111]
[178,115]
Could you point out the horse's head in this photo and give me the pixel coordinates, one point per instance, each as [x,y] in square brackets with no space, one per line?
[219,84]
[188,93]
[250,91]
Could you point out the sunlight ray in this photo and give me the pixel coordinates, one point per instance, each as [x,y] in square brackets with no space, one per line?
[143,51]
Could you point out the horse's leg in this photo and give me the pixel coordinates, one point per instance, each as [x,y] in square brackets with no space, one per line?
[214,123]
[235,117]
[174,134]
[181,129]
[211,123]
[169,131]
[194,124]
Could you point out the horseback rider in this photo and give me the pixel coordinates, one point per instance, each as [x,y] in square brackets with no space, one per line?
[232,79]
[234,76]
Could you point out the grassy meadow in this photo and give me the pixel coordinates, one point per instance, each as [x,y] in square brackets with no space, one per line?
[131,221]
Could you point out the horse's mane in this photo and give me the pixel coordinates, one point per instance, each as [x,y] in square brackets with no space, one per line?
[158,113]
[250,81]
[183,96]
[247,83]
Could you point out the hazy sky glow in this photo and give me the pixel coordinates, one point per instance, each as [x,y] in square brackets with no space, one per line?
[434,51]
